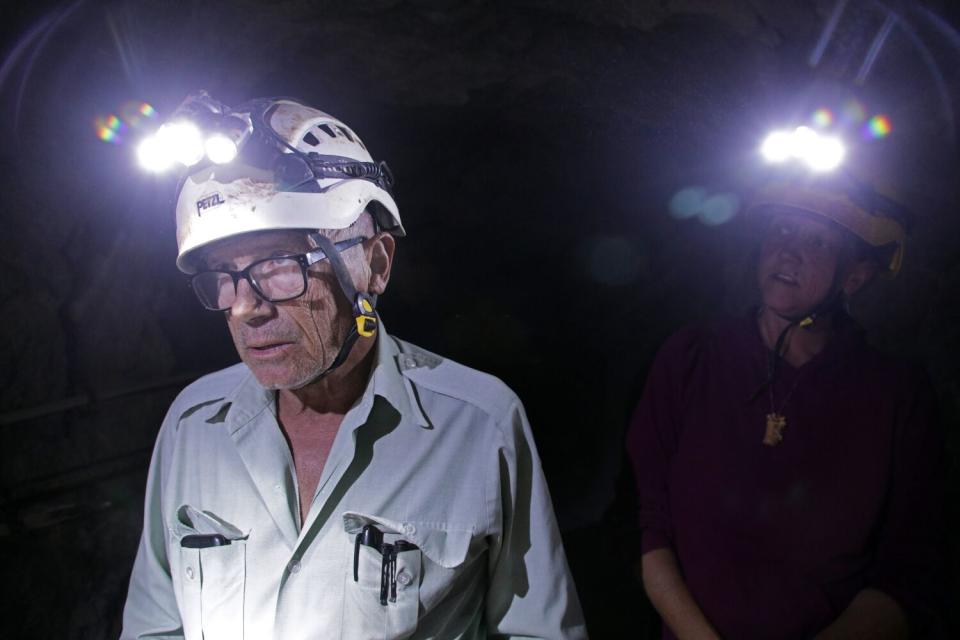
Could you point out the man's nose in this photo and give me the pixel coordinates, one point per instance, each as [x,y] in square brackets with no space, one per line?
[248,305]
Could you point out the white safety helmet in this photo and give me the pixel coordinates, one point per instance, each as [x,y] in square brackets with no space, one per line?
[297,168]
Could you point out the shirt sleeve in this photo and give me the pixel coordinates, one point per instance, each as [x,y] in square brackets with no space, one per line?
[151,609]
[530,592]
[652,437]
[910,548]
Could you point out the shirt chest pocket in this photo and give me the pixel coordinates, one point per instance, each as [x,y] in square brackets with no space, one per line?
[394,565]
[211,573]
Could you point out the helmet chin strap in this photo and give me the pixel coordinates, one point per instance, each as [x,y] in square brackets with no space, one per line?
[363,304]
[827,305]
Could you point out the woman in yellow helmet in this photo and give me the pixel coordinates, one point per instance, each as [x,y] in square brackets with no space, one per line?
[787,473]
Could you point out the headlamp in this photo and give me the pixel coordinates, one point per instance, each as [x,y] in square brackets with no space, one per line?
[220,149]
[201,128]
[836,195]
[153,155]
[818,152]
[204,130]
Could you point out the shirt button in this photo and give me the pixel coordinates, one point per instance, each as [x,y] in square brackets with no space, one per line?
[189,573]
[409,529]
[277,488]
[295,567]
[403,578]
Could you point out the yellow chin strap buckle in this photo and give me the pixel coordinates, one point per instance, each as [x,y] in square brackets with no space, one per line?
[364,316]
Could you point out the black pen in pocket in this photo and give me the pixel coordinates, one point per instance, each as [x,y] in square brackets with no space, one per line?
[371,536]
[204,541]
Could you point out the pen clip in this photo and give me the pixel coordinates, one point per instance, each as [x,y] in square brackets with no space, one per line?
[369,536]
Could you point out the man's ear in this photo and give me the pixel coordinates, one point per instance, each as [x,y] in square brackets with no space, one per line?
[380,253]
[859,274]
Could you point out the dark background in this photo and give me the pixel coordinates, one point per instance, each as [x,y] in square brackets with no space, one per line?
[537,144]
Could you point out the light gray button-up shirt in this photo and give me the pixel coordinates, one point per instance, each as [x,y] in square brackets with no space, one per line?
[434,454]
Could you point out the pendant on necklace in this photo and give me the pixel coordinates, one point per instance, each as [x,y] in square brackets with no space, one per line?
[776,423]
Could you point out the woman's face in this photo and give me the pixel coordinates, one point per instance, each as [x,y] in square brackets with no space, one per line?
[799,262]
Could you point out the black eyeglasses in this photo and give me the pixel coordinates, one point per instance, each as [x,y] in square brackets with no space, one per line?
[275,279]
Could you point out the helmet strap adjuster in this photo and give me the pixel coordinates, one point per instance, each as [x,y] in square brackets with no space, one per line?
[364,315]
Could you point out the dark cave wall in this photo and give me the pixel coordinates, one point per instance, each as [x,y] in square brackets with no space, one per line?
[537,146]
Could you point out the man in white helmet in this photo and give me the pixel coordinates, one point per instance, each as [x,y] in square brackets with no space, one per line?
[339,483]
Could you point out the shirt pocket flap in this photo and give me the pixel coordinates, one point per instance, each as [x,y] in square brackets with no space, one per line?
[441,543]
[192,521]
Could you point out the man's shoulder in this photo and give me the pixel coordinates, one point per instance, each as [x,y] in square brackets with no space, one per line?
[434,374]
[210,388]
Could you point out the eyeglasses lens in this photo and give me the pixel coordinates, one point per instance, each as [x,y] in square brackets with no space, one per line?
[274,279]
[215,289]
[278,278]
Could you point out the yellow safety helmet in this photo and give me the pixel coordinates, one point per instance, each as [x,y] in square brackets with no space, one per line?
[876,219]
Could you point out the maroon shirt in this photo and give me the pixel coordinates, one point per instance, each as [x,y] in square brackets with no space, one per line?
[774,542]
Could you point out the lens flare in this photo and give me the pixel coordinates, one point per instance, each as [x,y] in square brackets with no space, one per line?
[135,114]
[879,126]
[719,209]
[822,117]
[220,148]
[110,129]
[853,112]
[613,260]
[687,202]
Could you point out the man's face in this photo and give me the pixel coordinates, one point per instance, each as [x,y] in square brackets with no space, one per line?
[285,344]
[798,264]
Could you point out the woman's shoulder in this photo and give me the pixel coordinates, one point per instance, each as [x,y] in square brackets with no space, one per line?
[716,333]
[895,373]
[883,373]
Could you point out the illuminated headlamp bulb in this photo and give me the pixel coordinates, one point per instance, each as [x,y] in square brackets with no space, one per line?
[153,155]
[803,142]
[826,155]
[182,141]
[776,147]
[818,152]
[220,149]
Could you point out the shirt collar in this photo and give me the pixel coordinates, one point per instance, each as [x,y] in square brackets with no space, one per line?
[387,380]
[249,400]
[848,335]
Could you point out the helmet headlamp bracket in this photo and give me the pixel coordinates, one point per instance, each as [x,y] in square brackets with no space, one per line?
[272,163]
[260,146]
